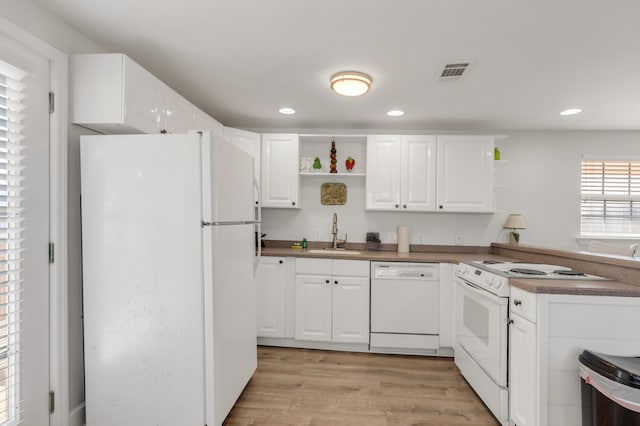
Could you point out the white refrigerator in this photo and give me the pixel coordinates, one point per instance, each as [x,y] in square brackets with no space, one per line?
[169,258]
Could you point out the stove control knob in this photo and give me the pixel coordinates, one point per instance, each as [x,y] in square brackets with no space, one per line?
[489,280]
[462,268]
[498,284]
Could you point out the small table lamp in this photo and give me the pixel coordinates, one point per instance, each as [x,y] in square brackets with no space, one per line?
[514,221]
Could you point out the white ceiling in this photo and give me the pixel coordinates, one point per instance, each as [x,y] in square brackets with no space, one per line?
[241,60]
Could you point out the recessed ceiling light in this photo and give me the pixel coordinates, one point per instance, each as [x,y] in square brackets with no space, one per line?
[350,83]
[571,111]
[395,113]
[287,111]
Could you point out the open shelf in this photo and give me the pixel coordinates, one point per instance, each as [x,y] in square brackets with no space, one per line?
[325,174]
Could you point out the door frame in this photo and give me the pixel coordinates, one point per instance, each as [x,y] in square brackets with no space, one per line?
[58,195]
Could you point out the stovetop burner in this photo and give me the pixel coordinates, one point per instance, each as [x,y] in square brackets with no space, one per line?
[570,273]
[527,271]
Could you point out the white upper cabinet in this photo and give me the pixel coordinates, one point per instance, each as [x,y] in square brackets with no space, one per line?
[280,178]
[203,121]
[113,94]
[465,174]
[249,142]
[401,173]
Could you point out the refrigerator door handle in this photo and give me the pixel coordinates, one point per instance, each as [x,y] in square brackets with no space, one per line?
[256,258]
[256,185]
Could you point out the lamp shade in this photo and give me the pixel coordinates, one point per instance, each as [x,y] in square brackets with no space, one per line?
[515,221]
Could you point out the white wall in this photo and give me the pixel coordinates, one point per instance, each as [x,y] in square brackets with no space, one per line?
[542,179]
[43,25]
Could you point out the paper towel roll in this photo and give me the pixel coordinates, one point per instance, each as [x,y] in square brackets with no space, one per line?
[403,239]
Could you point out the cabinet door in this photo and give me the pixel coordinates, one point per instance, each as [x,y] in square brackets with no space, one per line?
[465,174]
[418,172]
[270,285]
[249,142]
[313,308]
[280,179]
[383,172]
[177,113]
[523,372]
[350,317]
[202,121]
[143,99]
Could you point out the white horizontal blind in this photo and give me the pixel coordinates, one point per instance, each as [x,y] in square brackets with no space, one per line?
[11,117]
[610,198]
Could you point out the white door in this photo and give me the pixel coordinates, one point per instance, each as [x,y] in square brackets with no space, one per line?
[418,185]
[313,308]
[280,179]
[481,329]
[24,356]
[249,142]
[383,172]
[230,176]
[465,174]
[523,372]
[270,300]
[350,316]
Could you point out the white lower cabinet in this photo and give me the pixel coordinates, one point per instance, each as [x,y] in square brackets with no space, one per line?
[523,371]
[547,334]
[332,300]
[274,285]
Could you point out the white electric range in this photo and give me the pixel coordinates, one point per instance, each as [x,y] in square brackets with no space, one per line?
[482,319]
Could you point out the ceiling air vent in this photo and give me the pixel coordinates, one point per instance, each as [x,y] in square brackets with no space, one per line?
[452,71]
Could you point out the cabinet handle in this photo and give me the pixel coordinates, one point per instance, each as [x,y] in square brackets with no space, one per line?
[280,262]
[440,207]
[293,203]
[326,281]
[509,321]
[517,302]
[335,282]
[257,203]
[397,206]
[404,206]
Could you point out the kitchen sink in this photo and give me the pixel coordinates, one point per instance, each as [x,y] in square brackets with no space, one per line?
[332,251]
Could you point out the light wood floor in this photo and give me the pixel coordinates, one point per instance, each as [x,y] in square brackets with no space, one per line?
[311,387]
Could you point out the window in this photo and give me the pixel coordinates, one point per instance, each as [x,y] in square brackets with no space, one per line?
[610,198]
[10,239]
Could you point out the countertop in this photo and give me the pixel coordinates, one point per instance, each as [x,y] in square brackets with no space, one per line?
[388,256]
[577,287]
[542,286]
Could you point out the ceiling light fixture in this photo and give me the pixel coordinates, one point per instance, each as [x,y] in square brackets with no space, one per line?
[350,83]
[571,111]
[395,113]
[287,111]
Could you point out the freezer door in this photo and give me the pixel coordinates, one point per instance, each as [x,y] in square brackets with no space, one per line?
[228,179]
[142,280]
[230,307]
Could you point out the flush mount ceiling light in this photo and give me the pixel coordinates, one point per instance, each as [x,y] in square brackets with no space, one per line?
[350,83]
[395,113]
[571,111]
[287,111]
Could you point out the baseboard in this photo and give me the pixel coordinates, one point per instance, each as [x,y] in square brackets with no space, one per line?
[77,415]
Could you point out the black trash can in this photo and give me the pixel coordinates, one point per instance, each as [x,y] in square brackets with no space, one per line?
[610,390]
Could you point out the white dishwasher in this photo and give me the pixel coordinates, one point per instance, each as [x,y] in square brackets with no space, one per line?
[405,307]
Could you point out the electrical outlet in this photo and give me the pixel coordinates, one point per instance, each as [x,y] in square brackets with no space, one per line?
[316,235]
[420,238]
[459,238]
[392,237]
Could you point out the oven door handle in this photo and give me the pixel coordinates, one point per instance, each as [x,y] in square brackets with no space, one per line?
[480,292]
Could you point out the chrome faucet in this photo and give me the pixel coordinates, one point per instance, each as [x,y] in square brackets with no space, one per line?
[334,231]
[337,244]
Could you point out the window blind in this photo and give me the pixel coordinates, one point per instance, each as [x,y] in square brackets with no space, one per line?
[11,231]
[610,198]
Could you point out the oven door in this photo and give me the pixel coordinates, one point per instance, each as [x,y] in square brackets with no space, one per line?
[481,328]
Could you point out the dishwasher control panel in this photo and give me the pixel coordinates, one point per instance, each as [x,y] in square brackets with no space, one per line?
[404,271]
